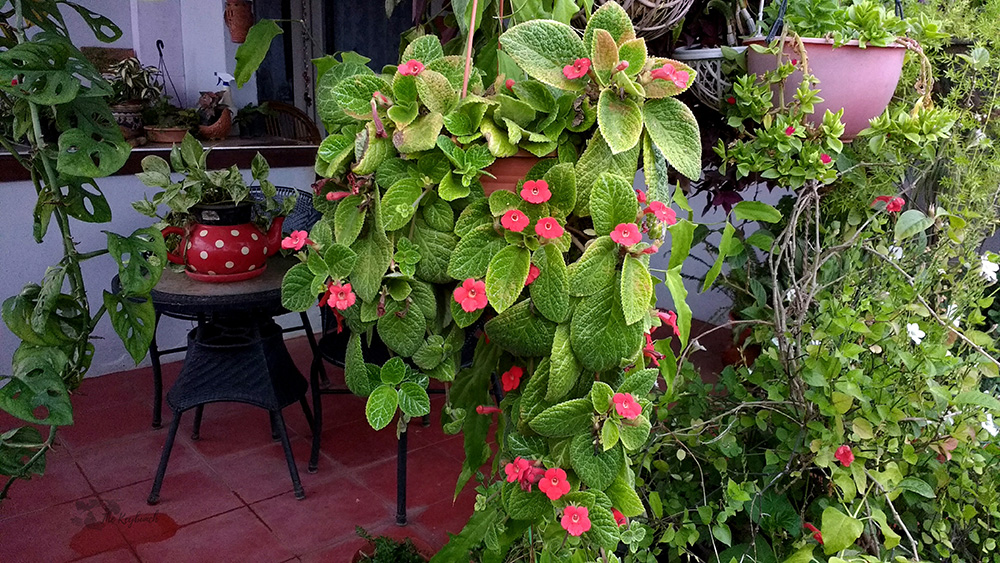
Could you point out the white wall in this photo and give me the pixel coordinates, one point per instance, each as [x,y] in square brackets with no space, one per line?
[23,261]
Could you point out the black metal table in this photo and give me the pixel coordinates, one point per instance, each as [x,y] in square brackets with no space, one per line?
[236,353]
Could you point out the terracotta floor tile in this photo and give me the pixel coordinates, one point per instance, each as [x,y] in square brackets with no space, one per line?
[228,428]
[117,420]
[431,478]
[446,517]
[59,533]
[357,445]
[124,555]
[112,465]
[236,536]
[327,515]
[63,481]
[186,496]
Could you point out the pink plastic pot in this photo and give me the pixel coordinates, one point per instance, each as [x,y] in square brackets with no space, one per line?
[861,81]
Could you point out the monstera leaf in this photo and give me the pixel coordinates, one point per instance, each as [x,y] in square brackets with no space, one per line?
[92,144]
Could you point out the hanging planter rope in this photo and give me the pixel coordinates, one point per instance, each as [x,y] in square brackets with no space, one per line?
[654,18]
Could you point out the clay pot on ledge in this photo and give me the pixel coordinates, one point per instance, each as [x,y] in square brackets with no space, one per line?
[218,130]
[239,19]
[166,134]
[128,116]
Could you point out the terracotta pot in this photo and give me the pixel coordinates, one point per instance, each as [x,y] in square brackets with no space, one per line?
[861,81]
[223,245]
[129,119]
[166,134]
[218,130]
[239,19]
[508,171]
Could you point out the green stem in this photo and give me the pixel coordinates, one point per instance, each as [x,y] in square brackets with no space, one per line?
[94,254]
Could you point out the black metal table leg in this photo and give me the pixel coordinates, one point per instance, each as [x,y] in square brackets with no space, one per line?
[401,481]
[154,358]
[278,422]
[196,429]
[154,495]
[317,426]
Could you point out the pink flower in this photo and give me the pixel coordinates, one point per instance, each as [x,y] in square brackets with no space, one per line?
[670,319]
[13,82]
[533,272]
[296,240]
[336,196]
[817,535]
[554,483]
[511,378]
[844,455]
[626,406]
[575,520]
[411,67]
[626,234]
[731,101]
[662,212]
[790,130]
[536,191]
[893,204]
[514,220]
[825,158]
[338,296]
[620,518]
[516,469]
[641,196]
[795,61]
[471,295]
[509,84]
[578,69]
[670,74]
[484,409]
[650,249]
[530,477]
[651,352]
[548,227]
[380,98]
[622,65]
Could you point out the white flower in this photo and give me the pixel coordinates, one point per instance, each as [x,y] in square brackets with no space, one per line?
[949,418]
[790,294]
[815,342]
[895,253]
[952,313]
[989,426]
[989,269]
[914,332]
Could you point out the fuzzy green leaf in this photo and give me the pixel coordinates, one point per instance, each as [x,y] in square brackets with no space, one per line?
[596,468]
[413,400]
[542,48]
[565,419]
[601,338]
[550,290]
[564,368]
[595,269]
[620,121]
[521,331]
[473,254]
[612,202]
[674,130]
[505,276]
[402,329]
[381,406]
[636,290]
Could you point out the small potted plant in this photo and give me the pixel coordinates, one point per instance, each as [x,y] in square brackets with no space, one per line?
[383,549]
[211,213]
[166,123]
[135,88]
[215,115]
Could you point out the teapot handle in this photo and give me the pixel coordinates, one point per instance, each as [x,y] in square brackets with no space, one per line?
[173,256]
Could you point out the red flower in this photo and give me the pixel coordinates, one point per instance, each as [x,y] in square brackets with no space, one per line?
[411,67]
[641,196]
[509,84]
[670,74]
[651,249]
[548,227]
[795,61]
[651,352]
[511,378]
[471,295]
[536,191]
[484,409]
[13,82]
[622,65]
[533,272]
[790,130]
[338,296]
[626,406]
[670,319]
[380,98]
[825,158]
[662,212]
[575,520]
[578,69]
[844,455]
[296,240]
[817,535]
[893,204]
[516,469]
[336,196]
[731,101]
[554,483]
[626,234]
[620,518]
[514,220]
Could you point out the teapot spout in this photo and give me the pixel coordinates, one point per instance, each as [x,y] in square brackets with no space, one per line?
[274,235]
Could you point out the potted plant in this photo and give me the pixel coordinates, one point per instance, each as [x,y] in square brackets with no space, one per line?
[166,123]
[383,549]
[135,87]
[238,16]
[211,214]
[842,44]
[215,115]
[708,45]
[250,120]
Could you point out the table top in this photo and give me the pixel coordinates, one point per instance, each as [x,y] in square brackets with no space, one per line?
[178,294]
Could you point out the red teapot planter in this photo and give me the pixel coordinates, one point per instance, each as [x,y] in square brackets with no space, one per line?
[223,244]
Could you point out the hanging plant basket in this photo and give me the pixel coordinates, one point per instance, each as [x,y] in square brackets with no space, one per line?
[712,84]
[654,18]
[239,19]
[861,81]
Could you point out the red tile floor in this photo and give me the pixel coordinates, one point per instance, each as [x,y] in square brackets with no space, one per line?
[227,496]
